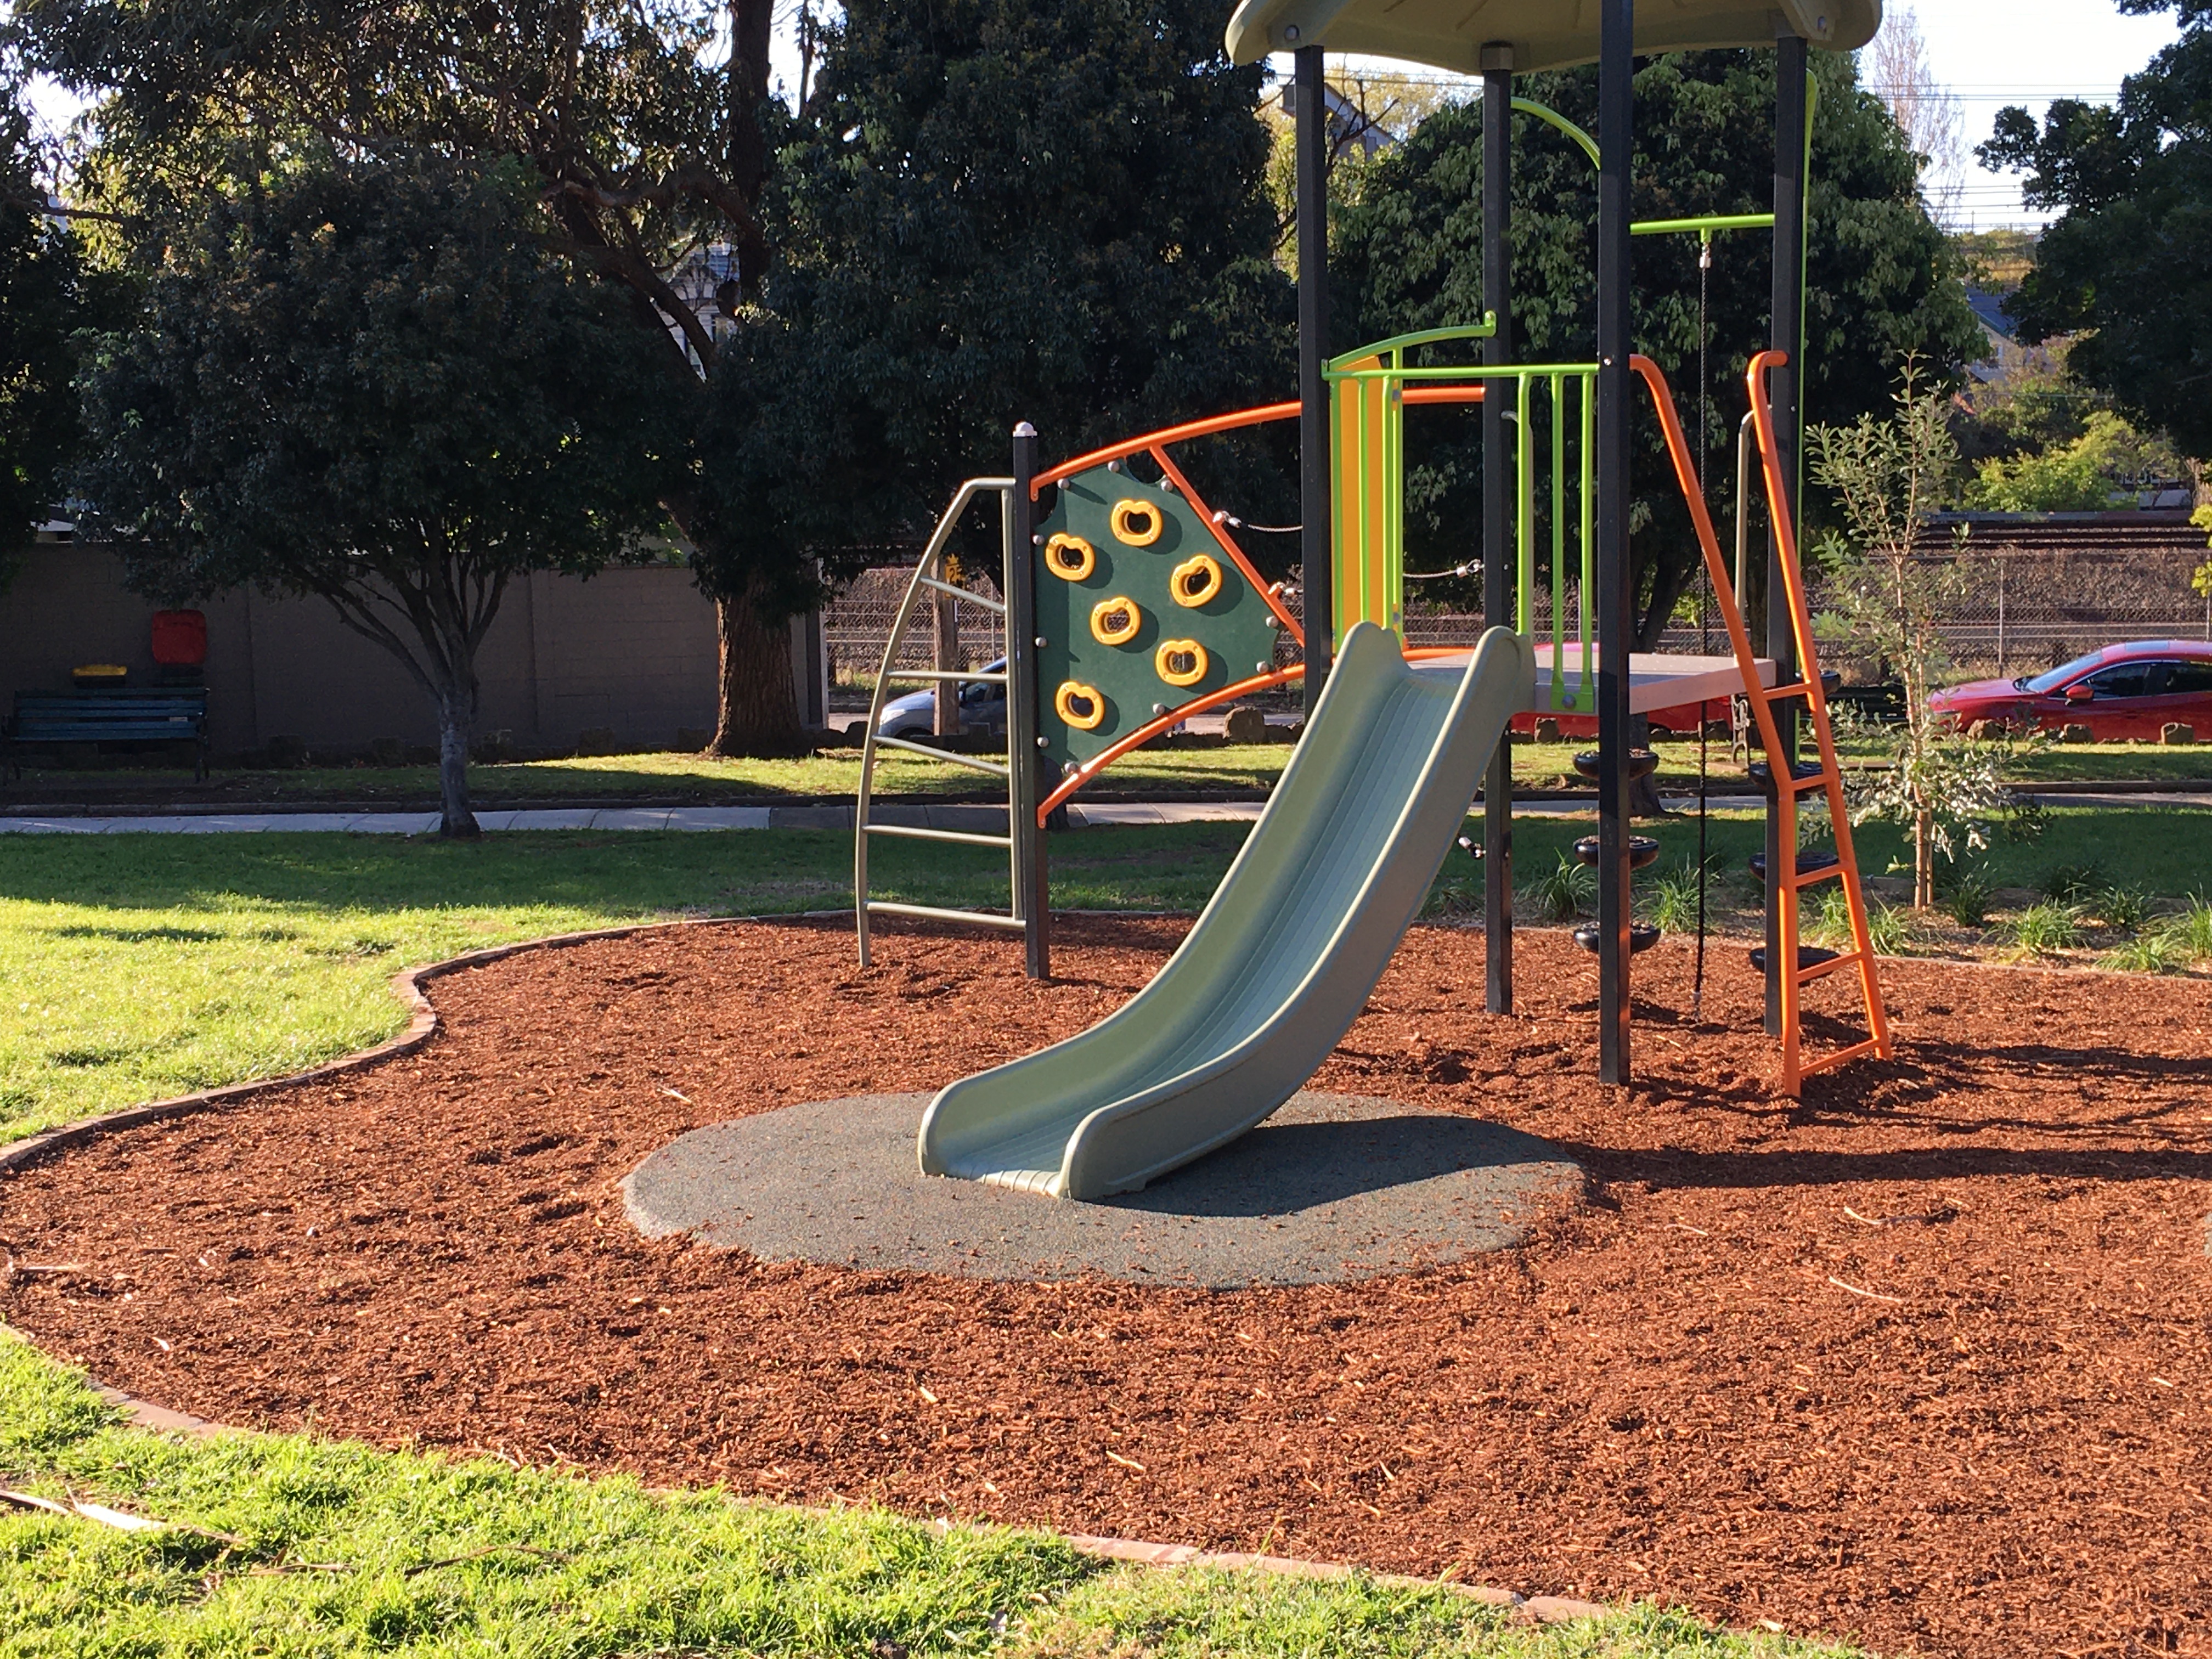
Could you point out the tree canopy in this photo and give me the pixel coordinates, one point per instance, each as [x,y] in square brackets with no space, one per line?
[373,385]
[46,296]
[1882,277]
[645,143]
[995,210]
[2128,264]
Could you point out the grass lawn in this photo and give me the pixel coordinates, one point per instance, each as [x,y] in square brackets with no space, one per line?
[286,1545]
[833,775]
[142,966]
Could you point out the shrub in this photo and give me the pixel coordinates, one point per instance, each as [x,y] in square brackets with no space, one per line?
[2070,884]
[2047,927]
[2190,934]
[1672,903]
[1966,900]
[1561,893]
[2123,909]
[2148,953]
[1891,932]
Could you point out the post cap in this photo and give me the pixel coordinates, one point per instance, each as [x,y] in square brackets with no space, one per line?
[1024,429]
[1497,57]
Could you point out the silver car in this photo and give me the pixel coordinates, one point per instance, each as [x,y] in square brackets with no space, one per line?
[983,708]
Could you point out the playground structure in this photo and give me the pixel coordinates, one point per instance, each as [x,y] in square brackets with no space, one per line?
[1130,606]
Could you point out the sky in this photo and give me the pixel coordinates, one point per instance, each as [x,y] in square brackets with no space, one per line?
[1994,53]
[1988,53]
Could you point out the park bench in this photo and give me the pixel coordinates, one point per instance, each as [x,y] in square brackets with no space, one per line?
[155,715]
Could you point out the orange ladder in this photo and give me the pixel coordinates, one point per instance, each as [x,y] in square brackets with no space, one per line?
[1804,963]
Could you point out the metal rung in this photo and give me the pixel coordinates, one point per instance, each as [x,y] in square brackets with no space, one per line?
[1822,970]
[913,832]
[991,766]
[981,918]
[946,674]
[1831,682]
[1872,1046]
[992,605]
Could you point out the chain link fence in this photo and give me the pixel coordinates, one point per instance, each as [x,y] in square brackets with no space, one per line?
[2035,593]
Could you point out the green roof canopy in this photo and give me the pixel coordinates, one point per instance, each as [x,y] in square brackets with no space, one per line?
[1544,35]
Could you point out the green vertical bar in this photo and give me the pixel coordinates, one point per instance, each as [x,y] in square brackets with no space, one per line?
[1589,525]
[1527,538]
[1341,393]
[1393,508]
[1559,697]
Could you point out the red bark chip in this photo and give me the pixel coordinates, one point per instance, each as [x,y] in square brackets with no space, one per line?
[1921,1360]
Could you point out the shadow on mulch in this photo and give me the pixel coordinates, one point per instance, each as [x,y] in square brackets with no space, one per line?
[1921,1360]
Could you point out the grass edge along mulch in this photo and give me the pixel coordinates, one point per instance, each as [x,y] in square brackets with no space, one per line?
[286,1544]
[1437,1060]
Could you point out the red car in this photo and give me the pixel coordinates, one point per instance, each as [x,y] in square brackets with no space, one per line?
[2130,690]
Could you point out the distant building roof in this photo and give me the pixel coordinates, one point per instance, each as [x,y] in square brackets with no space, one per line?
[1988,307]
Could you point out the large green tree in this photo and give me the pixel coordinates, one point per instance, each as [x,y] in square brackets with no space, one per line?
[645,126]
[371,385]
[2128,264]
[994,210]
[1883,282]
[45,295]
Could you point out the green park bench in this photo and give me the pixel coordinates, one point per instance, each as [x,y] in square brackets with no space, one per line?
[155,715]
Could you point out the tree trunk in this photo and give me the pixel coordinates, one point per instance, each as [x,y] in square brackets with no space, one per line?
[1643,800]
[1923,862]
[457,711]
[945,657]
[758,712]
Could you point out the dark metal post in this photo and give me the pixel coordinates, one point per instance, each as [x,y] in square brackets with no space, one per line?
[1310,143]
[1497,549]
[1032,894]
[1616,99]
[1788,334]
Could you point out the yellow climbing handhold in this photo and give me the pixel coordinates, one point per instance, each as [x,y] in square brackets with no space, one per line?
[1180,662]
[1070,557]
[1138,523]
[1116,621]
[1195,582]
[1091,716]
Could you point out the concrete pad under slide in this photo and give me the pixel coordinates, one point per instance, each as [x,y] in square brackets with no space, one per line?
[1331,1189]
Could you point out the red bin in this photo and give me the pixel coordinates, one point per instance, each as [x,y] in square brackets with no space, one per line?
[180,638]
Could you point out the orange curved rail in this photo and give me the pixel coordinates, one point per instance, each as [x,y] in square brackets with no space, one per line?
[1175,717]
[1155,445]
[1152,728]
[1172,434]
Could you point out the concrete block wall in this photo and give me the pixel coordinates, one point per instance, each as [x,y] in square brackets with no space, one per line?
[631,651]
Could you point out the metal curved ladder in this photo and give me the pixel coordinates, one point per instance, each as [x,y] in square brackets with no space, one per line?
[928,580]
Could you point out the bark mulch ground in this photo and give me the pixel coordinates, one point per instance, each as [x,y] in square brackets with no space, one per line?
[1924,1360]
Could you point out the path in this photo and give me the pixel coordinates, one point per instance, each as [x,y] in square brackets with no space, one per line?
[1102,815]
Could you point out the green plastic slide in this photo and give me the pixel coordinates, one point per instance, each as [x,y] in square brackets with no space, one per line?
[1284,957]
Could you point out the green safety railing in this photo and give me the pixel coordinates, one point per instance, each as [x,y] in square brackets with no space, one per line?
[1368,394]
[1369,388]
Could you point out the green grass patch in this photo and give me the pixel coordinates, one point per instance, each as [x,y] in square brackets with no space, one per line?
[330,1549]
[830,775]
[1158,772]
[141,966]
[294,1548]
[1212,1615]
